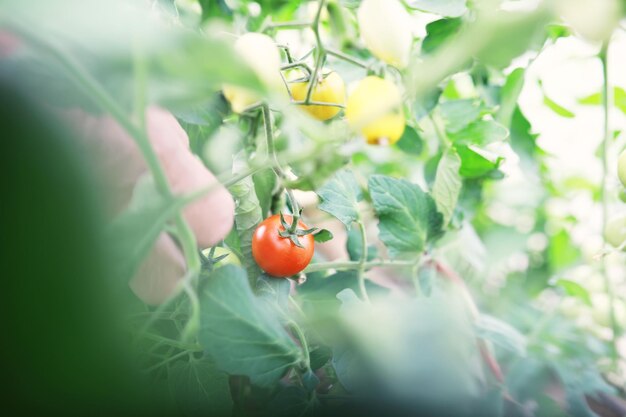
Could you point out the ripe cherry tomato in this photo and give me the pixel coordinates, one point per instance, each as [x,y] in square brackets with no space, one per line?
[329,89]
[277,255]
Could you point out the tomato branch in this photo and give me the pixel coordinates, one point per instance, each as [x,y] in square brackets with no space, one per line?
[324,266]
[606,144]
[362,262]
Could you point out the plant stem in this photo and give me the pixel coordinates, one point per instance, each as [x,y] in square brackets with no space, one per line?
[347,58]
[343,265]
[361,268]
[303,343]
[604,195]
[320,53]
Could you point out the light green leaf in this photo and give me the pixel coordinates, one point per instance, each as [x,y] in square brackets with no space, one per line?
[200,388]
[575,290]
[480,132]
[408,216]
[447,186]
[243,335]
[426,277]
[508,96]
[557,108]
[264,185]
[426,103]
[133,233]
[458,114]
[340,197]
[450,8]
[619,96]
[501,333]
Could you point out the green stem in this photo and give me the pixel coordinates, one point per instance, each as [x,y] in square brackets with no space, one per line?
[320,53]
[605,203]
[356,265]
[362,262]
[303,343]
[347,58]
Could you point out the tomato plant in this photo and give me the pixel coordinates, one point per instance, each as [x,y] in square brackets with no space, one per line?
[343,206]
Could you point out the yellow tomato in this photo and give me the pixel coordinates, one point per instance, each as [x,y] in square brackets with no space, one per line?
[368,110]
[386,29]
[615,231]
[621,167]
[329,89]
[261,54]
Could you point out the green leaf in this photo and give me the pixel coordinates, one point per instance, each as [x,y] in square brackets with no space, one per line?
[322,236]
[200,388]
[458,114]
[575,290]
[426,103]
[264,186]
[408,216]
[438,32]
[556,31]
[450,8]
[523,140]
[501,333]
[340,197]
[561,252]
[557,108]
[591,100]
[447,186]
[480,132]
[474,164]
[243,335]
[508,96]
[320,357]
[274,291]
[411,142]
[290,401]
[132,234]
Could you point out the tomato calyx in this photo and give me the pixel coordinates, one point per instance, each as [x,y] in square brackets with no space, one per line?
[292,232]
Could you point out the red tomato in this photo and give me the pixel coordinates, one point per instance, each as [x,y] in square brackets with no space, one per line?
[279,256]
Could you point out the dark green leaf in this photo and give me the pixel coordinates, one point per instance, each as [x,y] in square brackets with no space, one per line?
[501,333]
[475,165]
[447,186]
[290,401]
[523,140]
[320,357]
[408,216]
[340,197]
[438,32]
[450,8]
[411,142]
[243,335]
[200,388]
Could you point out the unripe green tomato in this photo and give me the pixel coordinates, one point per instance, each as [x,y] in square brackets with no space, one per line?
[615,230]
[230,259]
[622,195]
[621,167]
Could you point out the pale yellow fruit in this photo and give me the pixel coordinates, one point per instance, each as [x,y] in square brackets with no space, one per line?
[385,27]
[593,19]
[368,110]
[262,55]
[615,231]
[329,89]
[621,167]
